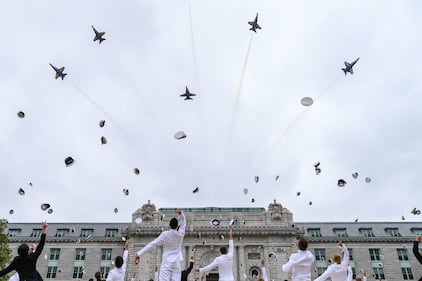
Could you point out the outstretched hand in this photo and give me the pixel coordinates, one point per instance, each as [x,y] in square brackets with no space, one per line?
[127,244]
[196,269]
[179,211]
[137,259]
[231,234]
[44,227]
[263,263]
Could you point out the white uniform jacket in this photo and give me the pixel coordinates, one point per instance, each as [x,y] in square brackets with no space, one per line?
[300,264]
[118,274]
[171,240]
[224,263]
[337,272]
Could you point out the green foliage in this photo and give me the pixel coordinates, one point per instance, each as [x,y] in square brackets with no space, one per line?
[5,251]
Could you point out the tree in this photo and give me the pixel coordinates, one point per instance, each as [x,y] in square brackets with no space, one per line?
[5,251]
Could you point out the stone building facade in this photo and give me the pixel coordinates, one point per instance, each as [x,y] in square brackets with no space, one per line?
[75,251]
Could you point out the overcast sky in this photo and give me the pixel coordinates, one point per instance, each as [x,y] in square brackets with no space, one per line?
[246,119]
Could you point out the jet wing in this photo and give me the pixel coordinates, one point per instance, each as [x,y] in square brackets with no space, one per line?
[351,70]
[57,75]
[251,22]
[184,95]
[257,26]
[102,33]
[61,69]
[346,63]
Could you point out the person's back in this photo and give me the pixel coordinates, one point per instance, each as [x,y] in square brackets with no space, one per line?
[118,273]
[300,263]
[223,262]
[171,240]
[25,263]
[338,270]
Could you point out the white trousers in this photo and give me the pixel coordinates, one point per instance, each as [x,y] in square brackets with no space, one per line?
[170,272]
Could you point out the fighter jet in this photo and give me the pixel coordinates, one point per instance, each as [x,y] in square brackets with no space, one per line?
[188,94]
[98,35]
[349,66]
[254,24]
[59,71]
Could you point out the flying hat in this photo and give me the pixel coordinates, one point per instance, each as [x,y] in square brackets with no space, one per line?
[45,206]
[341,182]
[180,135]
[69,161]
[307,101]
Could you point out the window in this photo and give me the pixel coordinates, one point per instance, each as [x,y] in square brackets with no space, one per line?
[106,254]
[367,232]
[86,232]
[319,254]
[62,232]
[54,254]
[416,230]
[51,272]
[80,254]
[393,232]
[13,231]
[254,256]
[375,254]
[350,254]
[402,254]
[341,232]
[407,273]
[378,273]
[353,273]
[104,271]
[111,232]
[36,232]
[314,232]
[77,272]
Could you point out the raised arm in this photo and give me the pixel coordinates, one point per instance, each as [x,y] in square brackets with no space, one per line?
[10,267]
[349,273]
[182,222]
[231,245]
[125,255]
[325,275]
[189,269]
[156,242]
[211,266]
[416,248]
[345,260]
[40,246]
[264,271]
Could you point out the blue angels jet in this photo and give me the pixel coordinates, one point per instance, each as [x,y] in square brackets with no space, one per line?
[349,66]
[188,94]
[254,24]
[59,71]
[98,35]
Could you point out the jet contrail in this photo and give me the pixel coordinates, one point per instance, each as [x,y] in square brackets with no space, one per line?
[280,137]
[195,62]
[139,94]
[239,93]
[91,100]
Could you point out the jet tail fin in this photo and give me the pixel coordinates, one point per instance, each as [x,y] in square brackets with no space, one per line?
[64,74]
[188,98]
[344,70]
